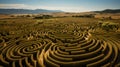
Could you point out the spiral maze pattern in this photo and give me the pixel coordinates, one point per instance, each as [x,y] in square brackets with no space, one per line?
[58,49]
[81,52]
[21,52]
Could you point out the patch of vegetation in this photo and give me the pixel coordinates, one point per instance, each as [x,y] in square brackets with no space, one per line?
[85,16]
[43,17]
[109,26]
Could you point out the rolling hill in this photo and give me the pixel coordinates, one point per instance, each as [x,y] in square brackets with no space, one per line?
[109,11]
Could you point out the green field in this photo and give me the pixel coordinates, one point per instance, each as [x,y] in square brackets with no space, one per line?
[59,42]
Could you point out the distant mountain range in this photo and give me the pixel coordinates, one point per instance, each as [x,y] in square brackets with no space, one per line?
[109,11]
[26,11]
[29,11]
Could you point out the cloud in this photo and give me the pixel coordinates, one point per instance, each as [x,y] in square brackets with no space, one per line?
[12,5]
[24,6]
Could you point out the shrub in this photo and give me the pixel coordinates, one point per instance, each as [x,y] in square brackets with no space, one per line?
[109,26]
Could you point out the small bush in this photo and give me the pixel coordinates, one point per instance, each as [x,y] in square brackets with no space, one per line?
[109,26]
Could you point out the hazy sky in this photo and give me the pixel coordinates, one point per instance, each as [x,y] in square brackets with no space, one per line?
[64,5]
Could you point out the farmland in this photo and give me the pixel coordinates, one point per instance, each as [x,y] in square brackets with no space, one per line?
[64,41]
